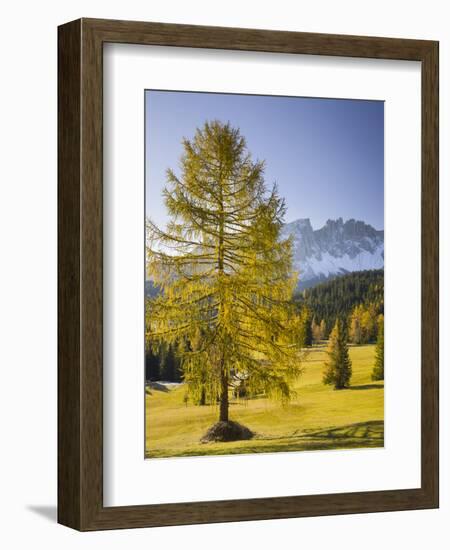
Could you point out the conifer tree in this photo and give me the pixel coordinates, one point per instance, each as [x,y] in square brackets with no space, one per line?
[355,327]
[307,330]
[369,322]
[378,370]
[201,382]
[338,368]
[224,272]
[152,365]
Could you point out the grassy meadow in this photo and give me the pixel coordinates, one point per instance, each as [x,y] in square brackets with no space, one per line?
[318,418]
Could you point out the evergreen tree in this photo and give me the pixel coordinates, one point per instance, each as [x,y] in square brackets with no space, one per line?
[167,364]
[378,370]
[338,368]
[152,365]
[222,269]
[307,330]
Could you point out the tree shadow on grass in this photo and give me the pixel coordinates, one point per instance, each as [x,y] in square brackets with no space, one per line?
[373,429]
[351,436]
[367,387]
[157,387]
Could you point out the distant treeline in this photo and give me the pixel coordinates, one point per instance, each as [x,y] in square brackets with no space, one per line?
[339,297]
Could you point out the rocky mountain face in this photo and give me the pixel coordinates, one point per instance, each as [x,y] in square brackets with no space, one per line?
[337,248]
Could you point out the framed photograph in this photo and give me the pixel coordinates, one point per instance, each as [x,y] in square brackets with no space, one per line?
[248,274]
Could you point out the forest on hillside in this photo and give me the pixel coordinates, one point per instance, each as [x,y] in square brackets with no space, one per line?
[339,297]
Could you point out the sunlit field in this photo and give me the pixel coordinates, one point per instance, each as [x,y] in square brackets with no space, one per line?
[318,418]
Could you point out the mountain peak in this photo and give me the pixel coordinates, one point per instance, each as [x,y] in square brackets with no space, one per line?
[301,223]
[336,248]
[338,222]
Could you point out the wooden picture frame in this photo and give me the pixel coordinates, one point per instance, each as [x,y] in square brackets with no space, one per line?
[80,271]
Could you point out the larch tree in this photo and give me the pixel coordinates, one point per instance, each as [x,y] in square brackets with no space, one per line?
[378,369]
[315,329]
[338,368]
[369,322]
[363,323]
[355,328]
[224,275]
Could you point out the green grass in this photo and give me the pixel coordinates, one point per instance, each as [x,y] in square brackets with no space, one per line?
[318,418]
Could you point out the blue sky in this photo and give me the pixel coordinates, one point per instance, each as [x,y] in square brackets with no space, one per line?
[326,155]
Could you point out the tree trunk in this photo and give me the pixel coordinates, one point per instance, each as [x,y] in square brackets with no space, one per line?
[202,401]
[223,417]
[224,397]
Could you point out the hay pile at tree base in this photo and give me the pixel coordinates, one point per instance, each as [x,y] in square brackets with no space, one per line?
[227,431]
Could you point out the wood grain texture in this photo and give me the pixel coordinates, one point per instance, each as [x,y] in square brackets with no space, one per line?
[69,248]
[80,264]
[430,272]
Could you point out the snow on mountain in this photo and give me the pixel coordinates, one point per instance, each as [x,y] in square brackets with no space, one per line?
[337,248]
